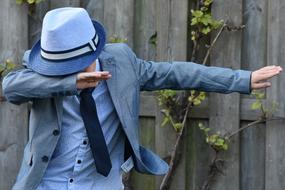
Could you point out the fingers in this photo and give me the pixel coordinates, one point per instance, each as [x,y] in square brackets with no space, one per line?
[260,77]
[266,73]
[94,76]
[268,68]
[261,85]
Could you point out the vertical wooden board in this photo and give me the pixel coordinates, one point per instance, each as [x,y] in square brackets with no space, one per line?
[172,27]
[171,45]
[254,36]
[224,109]
[64,3]
[36,16]
[118,19]
[95,9]
[253,57]
[145,29]
[252,157]
[197,154]
[13,119]
[147,139]
[275,131]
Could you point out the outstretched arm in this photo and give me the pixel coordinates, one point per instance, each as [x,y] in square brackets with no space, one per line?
[187,75]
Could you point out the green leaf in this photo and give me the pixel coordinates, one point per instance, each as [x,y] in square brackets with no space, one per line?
[207,130]
[177,126]
[200,125]
[31,1]
[208,2]
[197,13]
[9,65]
[153,39]
[225,146]
[256,105]
[220,142]
[19,2]
[206,30]
[196,102]
[202,96]
[165,121]
[2,68]
[194,21]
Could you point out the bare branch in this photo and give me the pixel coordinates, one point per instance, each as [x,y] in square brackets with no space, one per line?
[213,43]
[173,160]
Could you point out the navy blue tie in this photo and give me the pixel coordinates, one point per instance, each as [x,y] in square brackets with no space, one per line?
[94,132]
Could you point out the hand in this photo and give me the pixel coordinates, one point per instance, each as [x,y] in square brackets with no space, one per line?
[259,77]
[90,79]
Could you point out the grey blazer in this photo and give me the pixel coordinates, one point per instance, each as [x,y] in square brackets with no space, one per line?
[130,75]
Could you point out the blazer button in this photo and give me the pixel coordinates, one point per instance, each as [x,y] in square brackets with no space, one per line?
[45,158]
[55,132]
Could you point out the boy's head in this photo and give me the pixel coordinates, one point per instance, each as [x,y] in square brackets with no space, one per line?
[70,42]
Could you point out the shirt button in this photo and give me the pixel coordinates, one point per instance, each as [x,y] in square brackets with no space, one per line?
[85,142]
[55,132]
[78,161]
[45,158]
[70,180]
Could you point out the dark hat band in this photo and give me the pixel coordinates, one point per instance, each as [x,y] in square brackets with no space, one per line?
[72,53]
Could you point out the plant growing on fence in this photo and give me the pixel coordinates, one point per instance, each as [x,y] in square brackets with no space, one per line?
[30,2]
[177,104]
[5,67]
[220,143]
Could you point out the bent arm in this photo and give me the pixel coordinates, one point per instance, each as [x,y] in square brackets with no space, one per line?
[24,85]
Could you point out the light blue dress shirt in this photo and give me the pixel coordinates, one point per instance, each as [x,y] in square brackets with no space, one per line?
[72,165]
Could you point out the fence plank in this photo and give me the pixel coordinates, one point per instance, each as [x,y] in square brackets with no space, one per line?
[145,29]
[64,3]
[147,139]
[172,23]
[224,109]
[118,18]
[197,154]
[253,139]
[275,131]
[35,21]
[13,119]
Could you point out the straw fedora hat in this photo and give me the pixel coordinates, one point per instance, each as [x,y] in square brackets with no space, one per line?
[70,42]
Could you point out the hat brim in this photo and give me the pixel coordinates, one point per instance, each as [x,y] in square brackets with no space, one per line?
[56,68]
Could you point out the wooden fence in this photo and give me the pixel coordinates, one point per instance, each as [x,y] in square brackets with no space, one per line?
[255,160]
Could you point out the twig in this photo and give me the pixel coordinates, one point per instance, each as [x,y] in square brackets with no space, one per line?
[213,43]
[195,47]
[261,120]
[167,178]
[212,172]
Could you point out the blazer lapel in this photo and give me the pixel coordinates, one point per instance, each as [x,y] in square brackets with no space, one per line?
[107,63]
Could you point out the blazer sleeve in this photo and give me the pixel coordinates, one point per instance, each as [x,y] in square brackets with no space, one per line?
[24,85]
[188,75]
